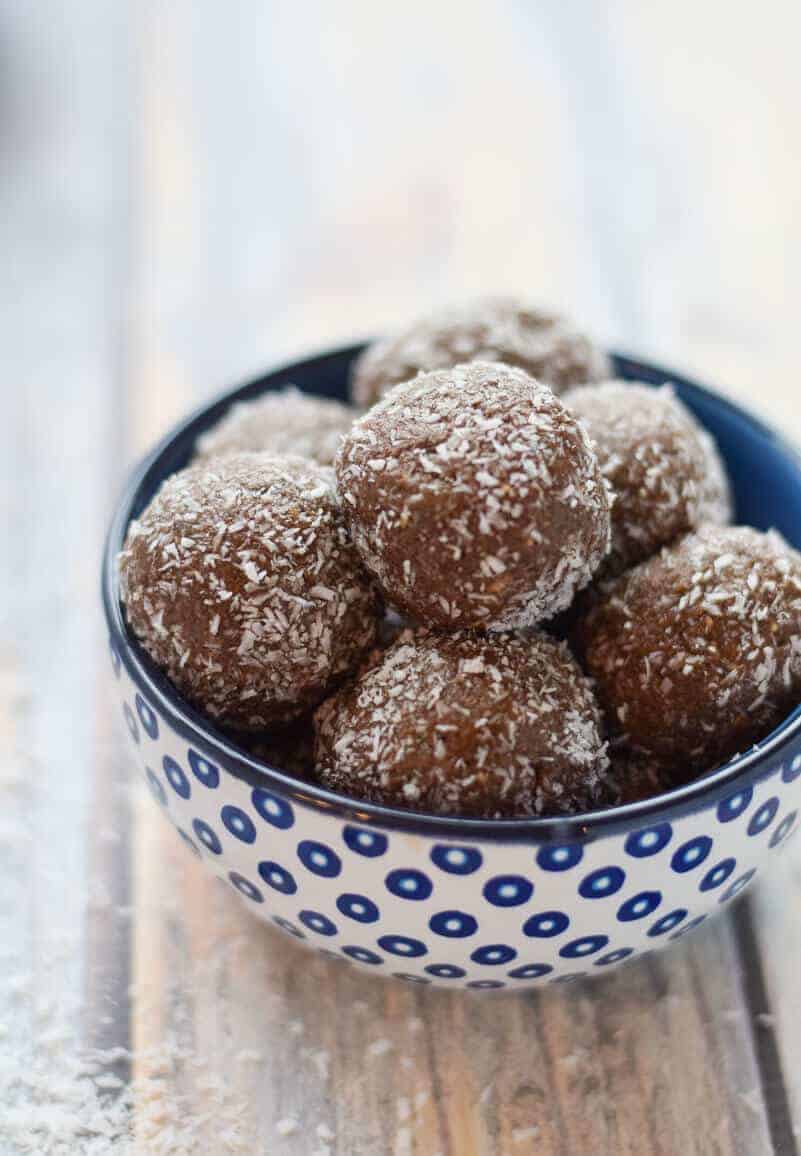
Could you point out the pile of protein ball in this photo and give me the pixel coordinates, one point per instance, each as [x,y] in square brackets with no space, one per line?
[515,593]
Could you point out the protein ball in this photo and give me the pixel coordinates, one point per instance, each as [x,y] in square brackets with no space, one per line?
[664,469]
[696,653]
[546,345]
[475,498]
[633,777]
[241,583]
[282,422]
[466,724]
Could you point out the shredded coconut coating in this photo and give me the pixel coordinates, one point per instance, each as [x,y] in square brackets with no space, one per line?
[664,469]
[697,652]
[281,422]
[546,345]
[240,581]
[475,498]
[468,724]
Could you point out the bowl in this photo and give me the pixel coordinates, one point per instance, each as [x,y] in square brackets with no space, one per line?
[481,904]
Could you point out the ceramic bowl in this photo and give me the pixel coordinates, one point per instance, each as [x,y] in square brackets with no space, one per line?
[435,900]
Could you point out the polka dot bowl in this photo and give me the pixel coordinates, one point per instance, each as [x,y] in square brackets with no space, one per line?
[484,905]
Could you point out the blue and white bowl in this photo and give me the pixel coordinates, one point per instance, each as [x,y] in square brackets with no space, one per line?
[463,903]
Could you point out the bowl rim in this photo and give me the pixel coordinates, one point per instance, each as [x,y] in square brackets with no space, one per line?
[759,762]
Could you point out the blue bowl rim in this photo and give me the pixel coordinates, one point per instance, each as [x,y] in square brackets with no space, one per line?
[757,763]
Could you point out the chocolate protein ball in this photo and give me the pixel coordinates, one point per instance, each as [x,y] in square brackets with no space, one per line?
[469,724]
[282,422]
[544,344]
[634,776]
[289,748]
[475,498]
[696,653]
[664,469]
[241,583]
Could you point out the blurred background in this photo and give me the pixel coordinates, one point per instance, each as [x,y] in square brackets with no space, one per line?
[192,192]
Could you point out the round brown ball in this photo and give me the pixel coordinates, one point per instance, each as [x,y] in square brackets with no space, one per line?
[282,422]
[475,498]
[696,653]
[546,345]
[634,777]
[466,724]
[664,469]
[240,581]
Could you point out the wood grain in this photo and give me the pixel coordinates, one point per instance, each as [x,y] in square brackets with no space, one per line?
[197,191]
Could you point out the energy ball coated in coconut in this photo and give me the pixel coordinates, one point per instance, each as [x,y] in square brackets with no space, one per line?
[663,467]
[474,498]
[241,583]
[696,653]
[546,345]
[634,776]
[466,724]
[282,422]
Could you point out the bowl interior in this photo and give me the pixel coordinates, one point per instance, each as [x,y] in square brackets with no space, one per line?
[765,472]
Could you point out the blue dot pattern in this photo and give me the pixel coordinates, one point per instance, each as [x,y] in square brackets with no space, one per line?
[530,971]
[793,769]
[700,860]
[176,777]
[277,877]
[245,887]
[446,970]
[763,817]
[508,890]
[456,860]
[405,945]
[731,808]
[587,945]
[668,922]
[409,884]
[156,788]
[559,858]
[493,954]
[273,809]
[738,886]
[614,957]
[316,921]
[605,881]
[147,718]
[319,859]
[639,906]
[717,875]
[358,907]
[649,841]
[453,924]
[204,771]
[362,955]
[365,842]
[546,924]
[691,854]
[240,824]
[207,836]
[784,828]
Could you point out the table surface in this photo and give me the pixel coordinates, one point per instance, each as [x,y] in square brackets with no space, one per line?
[192,192]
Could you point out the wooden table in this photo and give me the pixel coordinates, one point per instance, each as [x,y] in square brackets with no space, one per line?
[193,191]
